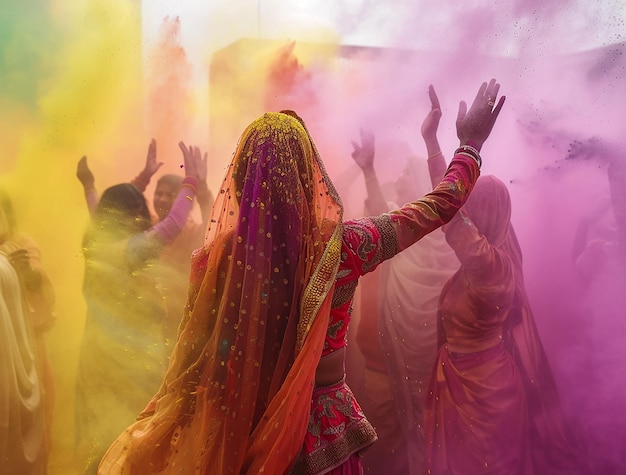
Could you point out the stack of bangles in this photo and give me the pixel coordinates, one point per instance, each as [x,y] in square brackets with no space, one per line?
[191,183]
[470,152]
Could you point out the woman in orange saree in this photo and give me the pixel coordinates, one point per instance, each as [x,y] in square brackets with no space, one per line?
[492,406]
[256,380]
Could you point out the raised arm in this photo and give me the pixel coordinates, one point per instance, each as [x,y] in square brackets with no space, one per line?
[415,220]
[167,229]
[151,166]
[205,197]
[474,126]
[149,243]
[86,178]
[363,156]
[487,267]
[436,160]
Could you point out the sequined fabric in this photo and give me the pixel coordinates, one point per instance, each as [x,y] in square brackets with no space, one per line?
[236,397]
[363,249]
[337,426]
[337,429]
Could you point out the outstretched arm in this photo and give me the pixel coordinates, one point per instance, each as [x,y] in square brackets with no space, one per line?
[415,220]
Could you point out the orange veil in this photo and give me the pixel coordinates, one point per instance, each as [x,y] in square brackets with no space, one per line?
[236,396]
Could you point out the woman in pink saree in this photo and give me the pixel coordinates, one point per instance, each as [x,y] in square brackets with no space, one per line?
[492,406]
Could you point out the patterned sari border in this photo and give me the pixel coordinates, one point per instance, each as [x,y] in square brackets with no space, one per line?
[355,439]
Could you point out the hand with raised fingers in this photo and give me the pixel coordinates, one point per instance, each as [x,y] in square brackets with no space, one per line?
[151,166]
[430,125]
[202,164]
[204,194]
[84,174]
[363,153]
[194,163]
[473,126]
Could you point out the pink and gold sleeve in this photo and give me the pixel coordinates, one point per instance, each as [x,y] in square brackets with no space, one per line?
[370,241]
[414,220]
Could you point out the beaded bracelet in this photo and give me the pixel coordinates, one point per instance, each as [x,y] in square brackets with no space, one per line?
[471,152]
[469,148]
[469,155]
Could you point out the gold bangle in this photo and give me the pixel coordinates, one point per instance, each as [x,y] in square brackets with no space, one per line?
[435,154]
[190,186]
[470,155]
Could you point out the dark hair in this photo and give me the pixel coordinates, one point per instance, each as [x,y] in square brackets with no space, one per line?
[175,181]
[121,212]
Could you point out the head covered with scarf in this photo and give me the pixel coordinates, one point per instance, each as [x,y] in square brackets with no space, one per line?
[489,208]
[236,396]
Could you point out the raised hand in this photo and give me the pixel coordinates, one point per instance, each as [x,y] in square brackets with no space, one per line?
[194,164]
[84,174]
[151,166]
[430,125]
[204,195]
[202,165]
[363,154]
[473,126]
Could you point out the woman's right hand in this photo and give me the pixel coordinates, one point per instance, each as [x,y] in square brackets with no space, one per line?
[363,153]
[195,165]
[473,126]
